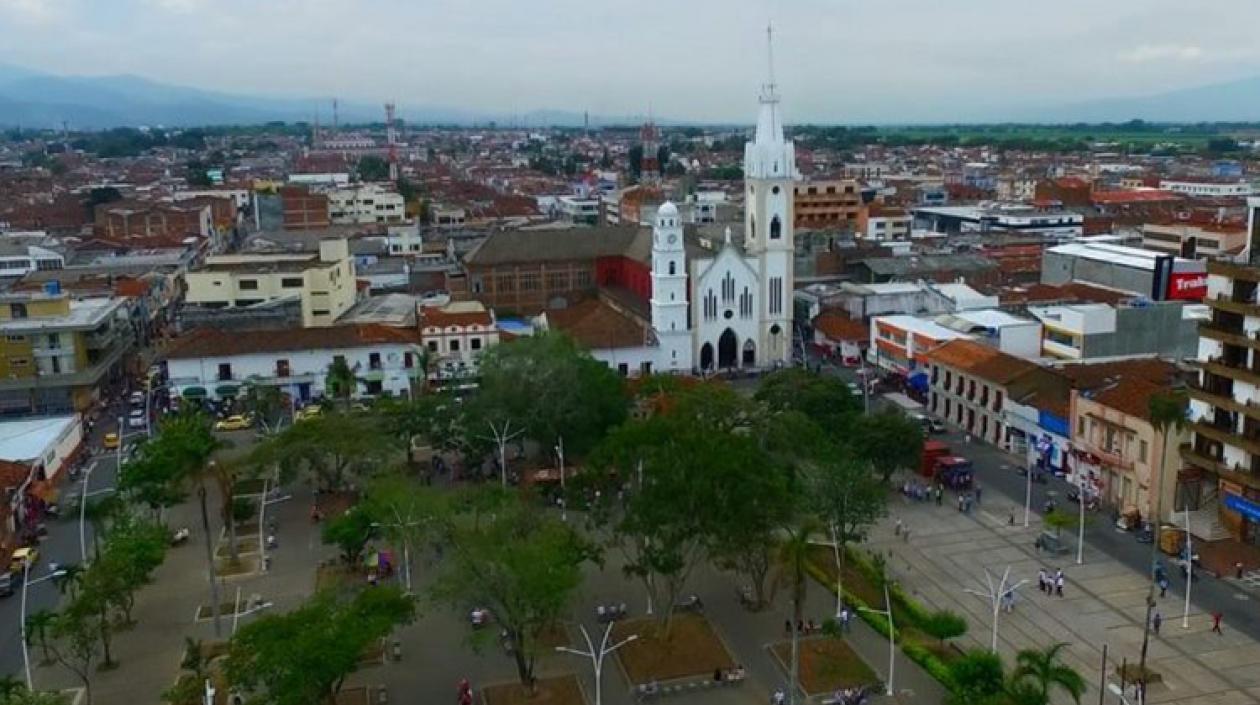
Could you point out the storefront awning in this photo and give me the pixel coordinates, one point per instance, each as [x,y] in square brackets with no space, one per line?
[194,392]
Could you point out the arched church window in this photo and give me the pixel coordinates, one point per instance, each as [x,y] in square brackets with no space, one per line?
[776,228]
[752,227]
[671,267]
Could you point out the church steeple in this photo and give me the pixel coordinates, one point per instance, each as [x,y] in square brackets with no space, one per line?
[769,155]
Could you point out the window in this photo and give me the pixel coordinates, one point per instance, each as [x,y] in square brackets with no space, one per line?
[56,365]
[282,368]
[528,281]
[582,279]
[319,312]
[374,361]
[16,338]
[54,341]
[1080,426]
[557,281]
[474,343]
[504,283]
[671,267]
[776,228]
[225,371]
[17,310]
[1142,450]
[645,368]
[19,362]
[623,369]
[433,346]
[248,285]
[455,345]
[290,283]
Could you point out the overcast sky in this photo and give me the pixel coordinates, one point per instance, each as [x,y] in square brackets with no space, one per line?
[836,60]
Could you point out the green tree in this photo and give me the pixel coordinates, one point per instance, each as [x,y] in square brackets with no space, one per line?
[1058,521]
[334,447]
[943,625]
[372,168]
[340,381]
[100,513]
[39,626]
[403,513]
[888,441]
[793,557]
[157,475]
[522,565]
[848,498]
[76,641]
[549,386]
[1167,413]
[349,532]
[268,404]
[978,679]
[302,657]
[824,399]
[19,695]
[1043,670]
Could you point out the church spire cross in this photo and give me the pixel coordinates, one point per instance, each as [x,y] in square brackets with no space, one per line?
[769,90]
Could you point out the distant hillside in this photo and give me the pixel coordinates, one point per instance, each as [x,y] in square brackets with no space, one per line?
[1234,101]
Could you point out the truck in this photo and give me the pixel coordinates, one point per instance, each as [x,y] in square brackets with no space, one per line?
[938,462]
[927,459]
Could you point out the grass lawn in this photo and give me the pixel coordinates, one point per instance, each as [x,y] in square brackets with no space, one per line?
[337,576]
[225,568]
[357,695]
[827,665]
[562,690]
[854,581]
[693,649]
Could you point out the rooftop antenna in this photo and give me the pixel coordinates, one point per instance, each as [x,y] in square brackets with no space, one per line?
[335,123]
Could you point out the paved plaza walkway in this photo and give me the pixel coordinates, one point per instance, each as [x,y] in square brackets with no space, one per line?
[1103,603]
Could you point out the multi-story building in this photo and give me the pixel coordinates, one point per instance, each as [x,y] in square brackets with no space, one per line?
[303,208]
[1119,454]
[454,336]
[1135,326]
[879,222]
[1013,218]
[121,221]
[969,387]
[1209,188]
[829,203]
[55,352]
[369,203]
[898,343]
[1225,405]
[216,364]
[18,259]
[1150,274]
[324,283]
[1194,240]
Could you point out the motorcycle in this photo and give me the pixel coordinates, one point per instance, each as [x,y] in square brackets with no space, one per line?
[690,603]
[180,536]
[610,612]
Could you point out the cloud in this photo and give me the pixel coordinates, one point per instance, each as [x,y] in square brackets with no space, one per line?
[32,12]
[1147,53]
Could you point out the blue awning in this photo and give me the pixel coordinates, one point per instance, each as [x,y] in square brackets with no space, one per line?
[919,382]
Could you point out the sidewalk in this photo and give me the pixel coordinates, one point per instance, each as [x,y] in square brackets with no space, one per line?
[1103,603]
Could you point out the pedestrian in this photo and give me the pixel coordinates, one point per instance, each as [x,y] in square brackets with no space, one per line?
[1041,580]
[1163,586]
[960,502]
[778,698]
[939,494]
[844,619]
[1216,623]
[1058,584]
[897,527]
[978,493]
[787,626]
[1156,621]
[905,534]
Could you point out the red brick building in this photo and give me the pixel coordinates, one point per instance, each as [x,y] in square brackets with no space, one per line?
[303,209]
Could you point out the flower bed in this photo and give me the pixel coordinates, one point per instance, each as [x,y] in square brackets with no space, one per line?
[827,664]
[692,649]
[563,690]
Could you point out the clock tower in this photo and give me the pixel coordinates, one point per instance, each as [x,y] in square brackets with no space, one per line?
[669,291]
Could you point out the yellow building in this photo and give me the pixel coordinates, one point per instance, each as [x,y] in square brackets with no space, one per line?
[324,282]
[55,351]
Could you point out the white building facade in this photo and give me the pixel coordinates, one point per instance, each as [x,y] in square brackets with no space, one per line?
[740,299]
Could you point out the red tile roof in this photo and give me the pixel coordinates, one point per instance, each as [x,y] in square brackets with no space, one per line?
[207,342]
[980,360]
[436,316]
[1145,196]
[838,326]
[598,325]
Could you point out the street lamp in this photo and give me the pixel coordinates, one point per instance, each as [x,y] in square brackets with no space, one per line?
[994,595]
[892,635]
[1080,531]
[26,582]
[1185,614]
[564,501]
[597,656]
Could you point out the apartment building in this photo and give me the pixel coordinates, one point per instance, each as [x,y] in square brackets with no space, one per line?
[969,387]
[55,351]
[215,364]
[323,283]
[1225,405]
[899,343]
[1135,326]
[121,221]
[1194,240]
[369,203]
[829,203]
[303,208]
[879,222]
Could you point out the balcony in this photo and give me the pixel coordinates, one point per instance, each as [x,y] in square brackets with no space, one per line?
[1109,458]
[1229,304]
[1238,371]
[1232,336]
[1226,436]
[1234,270]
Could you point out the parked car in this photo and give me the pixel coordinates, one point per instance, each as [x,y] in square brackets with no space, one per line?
[308,412]
[236,422]
[136,399]
[27,555]
[136,419]
[110,441]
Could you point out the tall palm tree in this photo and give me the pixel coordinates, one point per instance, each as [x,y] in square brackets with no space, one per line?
[98,513]
[1037,671]
[68,579]
[340,380]
[793,556]
[38,625]
[1167,413]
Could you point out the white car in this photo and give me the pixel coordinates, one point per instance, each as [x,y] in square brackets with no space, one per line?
[136,419]
[136,399]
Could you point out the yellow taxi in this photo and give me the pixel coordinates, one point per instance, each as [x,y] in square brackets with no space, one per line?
[310,412]
[237,422]
[110,441]
[22,557]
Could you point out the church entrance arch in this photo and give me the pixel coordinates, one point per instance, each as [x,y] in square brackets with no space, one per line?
[706,356]
[749,358]
[727,346]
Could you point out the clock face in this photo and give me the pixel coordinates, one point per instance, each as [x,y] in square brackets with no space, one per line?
[673,239]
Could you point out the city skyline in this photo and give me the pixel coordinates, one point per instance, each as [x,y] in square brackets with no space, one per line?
[701,61]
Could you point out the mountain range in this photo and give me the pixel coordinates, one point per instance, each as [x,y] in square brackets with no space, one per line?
[30,98]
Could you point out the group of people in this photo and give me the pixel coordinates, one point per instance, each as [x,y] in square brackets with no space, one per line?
[729,675]
[849,696]
[966,500]
[919,492]
[1050,584]
[803,626]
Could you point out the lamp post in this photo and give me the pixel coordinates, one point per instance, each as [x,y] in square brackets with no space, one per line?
[564,499]
[1028,495]
[892,635]
[1080,531]
[597,655]
[27,582]
[1185,614]
[994,594]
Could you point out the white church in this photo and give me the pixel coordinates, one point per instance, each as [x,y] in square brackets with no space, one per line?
[732,308]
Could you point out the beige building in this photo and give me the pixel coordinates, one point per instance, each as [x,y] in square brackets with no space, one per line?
[325,283]
[1210,239]
[364,205]
[454,336]
[831,203]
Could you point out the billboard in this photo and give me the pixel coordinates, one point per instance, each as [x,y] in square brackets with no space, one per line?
[1187,286]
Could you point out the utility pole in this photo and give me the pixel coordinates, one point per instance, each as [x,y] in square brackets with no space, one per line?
[1185,614]
[214,584]
[597,655]
[994,595]
[501,435]
[892,636]
[564,500]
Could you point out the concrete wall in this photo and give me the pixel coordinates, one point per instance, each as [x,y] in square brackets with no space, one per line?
[1058,269]
[1157,329]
